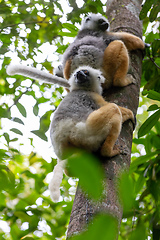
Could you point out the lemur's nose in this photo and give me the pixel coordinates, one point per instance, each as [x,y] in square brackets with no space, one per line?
[103,25]
[82,75]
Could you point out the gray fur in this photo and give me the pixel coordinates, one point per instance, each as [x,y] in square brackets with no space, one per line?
[89,45]
[77,105]
[70,116]
[88,50]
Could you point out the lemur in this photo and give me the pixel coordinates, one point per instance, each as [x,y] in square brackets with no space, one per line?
[99,48]
[85,120]
[94,46]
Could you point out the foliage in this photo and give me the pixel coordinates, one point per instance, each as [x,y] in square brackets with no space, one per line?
[99,226]
[144,217]
[25,206]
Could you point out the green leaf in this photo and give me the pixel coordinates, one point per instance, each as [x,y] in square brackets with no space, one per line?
[147,5]
[71,27]
[156,47]
[7,176]
[18,120]
[153,107]
[154,11]
[86,167]
[45,121]
[21,109]
[67,34]
[148,124]
[6,135]
[36,109]
[4,183]
[27,238]
[61,49]
[4,113]
[138,233]
[14,140]
[17,131]
[40,134]
[139,183]
[103,227]
[127,197]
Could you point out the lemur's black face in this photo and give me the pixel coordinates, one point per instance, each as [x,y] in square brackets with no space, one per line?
[102,24]
[82,78]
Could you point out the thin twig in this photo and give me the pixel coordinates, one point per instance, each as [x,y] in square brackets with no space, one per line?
[26,23]
[152,60]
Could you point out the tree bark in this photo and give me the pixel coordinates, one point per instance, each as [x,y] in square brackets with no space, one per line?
[123,16]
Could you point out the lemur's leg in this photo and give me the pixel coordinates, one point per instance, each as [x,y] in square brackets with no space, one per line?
[106,120]
[126,114]
[116,64]
[131,42]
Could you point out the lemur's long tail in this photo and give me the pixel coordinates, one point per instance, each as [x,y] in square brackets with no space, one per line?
[36,74]
[56,181]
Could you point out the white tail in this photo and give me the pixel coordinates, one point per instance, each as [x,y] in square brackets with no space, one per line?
[36,74]
[55,182]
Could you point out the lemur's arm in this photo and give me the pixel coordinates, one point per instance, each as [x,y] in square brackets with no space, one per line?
[36,74]
[131,41]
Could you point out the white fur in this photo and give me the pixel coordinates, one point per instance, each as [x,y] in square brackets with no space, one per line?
[96,76]
[84,137]
[36,74]
[58,71]
[93,20]
[55,182]
[68,129]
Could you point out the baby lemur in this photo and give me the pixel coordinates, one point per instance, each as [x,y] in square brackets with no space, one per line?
[85,120]
[95,46]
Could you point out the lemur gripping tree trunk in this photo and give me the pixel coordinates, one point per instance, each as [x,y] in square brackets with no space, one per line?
[123,16]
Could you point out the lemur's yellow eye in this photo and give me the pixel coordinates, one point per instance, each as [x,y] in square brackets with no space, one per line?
[86,72]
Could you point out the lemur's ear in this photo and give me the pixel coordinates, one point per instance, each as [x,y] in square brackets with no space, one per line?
[101,79]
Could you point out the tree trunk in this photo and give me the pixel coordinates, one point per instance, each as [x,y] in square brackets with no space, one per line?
[123,16]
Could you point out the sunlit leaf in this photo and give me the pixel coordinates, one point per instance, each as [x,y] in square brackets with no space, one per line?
[27,238]
[71,27]
[67,34]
